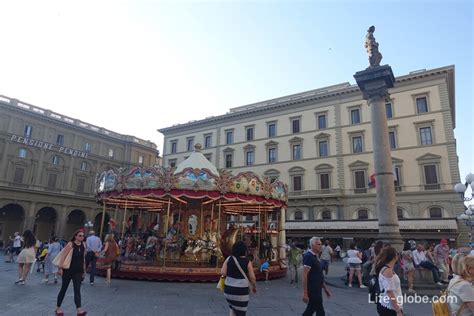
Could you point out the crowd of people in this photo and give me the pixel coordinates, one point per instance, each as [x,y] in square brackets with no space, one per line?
[381,262]
[62,259]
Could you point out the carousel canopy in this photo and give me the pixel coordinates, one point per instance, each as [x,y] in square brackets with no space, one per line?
[196,161]
[194,179]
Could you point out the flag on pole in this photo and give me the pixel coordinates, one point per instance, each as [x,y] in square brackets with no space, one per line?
[372,181]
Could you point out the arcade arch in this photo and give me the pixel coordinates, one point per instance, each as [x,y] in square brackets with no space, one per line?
[12,218]
[45,223]
[75,220]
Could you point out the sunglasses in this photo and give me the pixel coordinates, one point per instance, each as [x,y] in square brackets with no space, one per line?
[80,235]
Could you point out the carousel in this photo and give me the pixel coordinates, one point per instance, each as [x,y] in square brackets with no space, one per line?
[179,224]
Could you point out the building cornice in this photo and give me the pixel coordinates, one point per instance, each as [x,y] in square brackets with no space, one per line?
[39,113]
[331,92]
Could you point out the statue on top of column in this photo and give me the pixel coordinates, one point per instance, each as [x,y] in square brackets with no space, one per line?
[375,57]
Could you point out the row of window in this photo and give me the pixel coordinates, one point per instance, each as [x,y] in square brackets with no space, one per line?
[22,153]
[430,176]
[360,178]
[59,138]
[321,123]
[60,142]
[19,175]
[357,146]
[363,214]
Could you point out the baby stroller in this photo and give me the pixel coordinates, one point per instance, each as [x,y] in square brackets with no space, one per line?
[40,258]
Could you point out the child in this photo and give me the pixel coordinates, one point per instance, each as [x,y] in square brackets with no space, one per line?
[265,267]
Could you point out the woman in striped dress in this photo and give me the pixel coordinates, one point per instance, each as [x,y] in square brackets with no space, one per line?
[237,284]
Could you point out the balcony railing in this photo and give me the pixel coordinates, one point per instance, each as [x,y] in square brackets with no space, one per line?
[432,187]
[360,190]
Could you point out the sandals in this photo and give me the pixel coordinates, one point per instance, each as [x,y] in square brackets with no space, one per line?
[83,313]
[59,313]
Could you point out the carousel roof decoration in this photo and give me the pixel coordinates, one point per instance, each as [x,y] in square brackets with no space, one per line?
[194,178]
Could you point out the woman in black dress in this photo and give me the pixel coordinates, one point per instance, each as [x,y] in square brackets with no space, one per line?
[236,289]
[76,272]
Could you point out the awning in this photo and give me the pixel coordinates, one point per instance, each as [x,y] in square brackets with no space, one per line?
[368,225]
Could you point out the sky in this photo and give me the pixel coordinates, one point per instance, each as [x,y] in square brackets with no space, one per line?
[136,66]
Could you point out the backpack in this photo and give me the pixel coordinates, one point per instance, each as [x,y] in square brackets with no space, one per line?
[440,306]
[374,288]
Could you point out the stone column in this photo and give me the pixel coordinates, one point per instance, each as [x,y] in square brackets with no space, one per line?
[30,217]
[282,235]
[61,223]
[4,161]
[374,83]
[69,175]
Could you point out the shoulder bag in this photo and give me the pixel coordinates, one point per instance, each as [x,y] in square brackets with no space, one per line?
[221,283]
[63,259]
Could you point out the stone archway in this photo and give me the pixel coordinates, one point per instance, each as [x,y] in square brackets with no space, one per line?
[45,223]
[75,221]
[12,217]
[98,222]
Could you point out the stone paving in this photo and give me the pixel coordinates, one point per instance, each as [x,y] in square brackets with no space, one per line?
[127,297]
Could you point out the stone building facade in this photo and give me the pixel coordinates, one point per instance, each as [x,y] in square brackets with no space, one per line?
[320,143]
[48,165]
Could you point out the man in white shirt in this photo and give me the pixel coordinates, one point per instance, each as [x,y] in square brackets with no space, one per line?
[419,258]
[16,246]
[93,249]
[338,252]
[326,256]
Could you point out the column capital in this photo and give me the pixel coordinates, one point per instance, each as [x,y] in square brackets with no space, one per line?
[375,82]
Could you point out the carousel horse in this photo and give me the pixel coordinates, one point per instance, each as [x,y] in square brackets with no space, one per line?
[200,247]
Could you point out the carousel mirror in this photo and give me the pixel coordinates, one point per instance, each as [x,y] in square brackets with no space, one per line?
[192,224]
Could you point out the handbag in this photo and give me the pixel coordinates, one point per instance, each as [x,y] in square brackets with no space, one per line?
[221,283]
[65,256]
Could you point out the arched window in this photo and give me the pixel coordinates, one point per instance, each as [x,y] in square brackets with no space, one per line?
[325,215]
[435,212]
[399,213]
[362,214]
[298,216]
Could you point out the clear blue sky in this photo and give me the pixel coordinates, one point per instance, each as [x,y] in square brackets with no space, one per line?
[177,61]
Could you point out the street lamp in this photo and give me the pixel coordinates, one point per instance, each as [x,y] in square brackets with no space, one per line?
[461,188]
[468,217]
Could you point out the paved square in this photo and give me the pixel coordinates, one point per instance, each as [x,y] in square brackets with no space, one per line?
[128,297]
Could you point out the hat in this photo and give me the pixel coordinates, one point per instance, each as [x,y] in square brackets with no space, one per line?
[443,242]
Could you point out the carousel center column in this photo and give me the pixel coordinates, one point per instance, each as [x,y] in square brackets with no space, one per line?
[282,234]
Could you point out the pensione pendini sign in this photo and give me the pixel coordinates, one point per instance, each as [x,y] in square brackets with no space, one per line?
[48,146]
